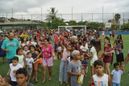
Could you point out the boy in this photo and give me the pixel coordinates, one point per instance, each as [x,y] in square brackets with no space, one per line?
[100,78]
[14,66]
[116,75]
[22,77]
[29,65]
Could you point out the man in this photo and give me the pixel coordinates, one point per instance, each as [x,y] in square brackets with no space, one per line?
[2,53]
[10,45]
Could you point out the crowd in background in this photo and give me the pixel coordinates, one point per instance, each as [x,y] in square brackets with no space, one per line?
[30,48]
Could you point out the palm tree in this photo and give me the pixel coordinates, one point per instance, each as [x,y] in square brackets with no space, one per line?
[51,15]
[117,20]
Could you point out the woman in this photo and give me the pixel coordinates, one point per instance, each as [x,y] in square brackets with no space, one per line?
[107,54]
[48,56]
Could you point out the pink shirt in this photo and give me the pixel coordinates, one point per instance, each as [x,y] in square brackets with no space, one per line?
[47,51]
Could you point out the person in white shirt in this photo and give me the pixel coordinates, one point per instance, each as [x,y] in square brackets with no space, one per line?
[100,78]
[14,66]
[116,74]
[64,65]
[94,56]
[29,64]
[20,56]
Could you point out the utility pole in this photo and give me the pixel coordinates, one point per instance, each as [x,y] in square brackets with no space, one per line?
[81,16]
[72,13]
[41,14]
[12,12]
[103,14]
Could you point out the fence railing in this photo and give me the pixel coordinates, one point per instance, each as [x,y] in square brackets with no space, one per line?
[99,17]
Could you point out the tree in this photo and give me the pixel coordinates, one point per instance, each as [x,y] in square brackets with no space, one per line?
[125,26]
[82,22]
[52,20]
[117,20]
[72,22]
[55,23]
[95,25]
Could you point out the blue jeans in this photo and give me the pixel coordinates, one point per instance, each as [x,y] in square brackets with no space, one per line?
[115,84]
[63,72]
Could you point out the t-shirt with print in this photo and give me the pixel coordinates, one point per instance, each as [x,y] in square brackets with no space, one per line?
[29,62]
[11,46]
[13,69]
[100,81]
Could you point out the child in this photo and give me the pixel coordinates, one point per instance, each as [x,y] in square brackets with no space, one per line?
[127,58]
[116,75]
[119,53]
[3,81]
[29,64]
[25,50]
[14,66]
[74,68]
[59,51]
[93,56]
[22,77]
[64,65]
[100,78]
[20,56]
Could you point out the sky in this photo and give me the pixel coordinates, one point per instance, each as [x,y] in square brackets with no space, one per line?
[63,6]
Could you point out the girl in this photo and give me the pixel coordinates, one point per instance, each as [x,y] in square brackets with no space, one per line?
[25,50]
[59,50]
[34,56]
[48,56]
[119,49]
[107,54]
[93,56]
[64,65]
[29,64]
[20,56]
[74,68]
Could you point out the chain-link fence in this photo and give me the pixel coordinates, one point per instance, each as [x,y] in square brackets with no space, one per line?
[99,17]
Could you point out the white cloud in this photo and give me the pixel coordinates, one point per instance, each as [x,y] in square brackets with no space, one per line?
[64,6]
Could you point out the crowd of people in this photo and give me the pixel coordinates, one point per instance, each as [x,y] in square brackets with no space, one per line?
[25,50]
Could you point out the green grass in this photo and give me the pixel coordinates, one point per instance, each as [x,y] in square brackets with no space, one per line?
[54,82]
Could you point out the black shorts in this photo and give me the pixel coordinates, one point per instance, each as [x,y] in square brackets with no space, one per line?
[120,57]
[13,83]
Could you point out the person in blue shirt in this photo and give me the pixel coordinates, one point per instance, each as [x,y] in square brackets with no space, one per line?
[2,53]
[116,74]
[10,45]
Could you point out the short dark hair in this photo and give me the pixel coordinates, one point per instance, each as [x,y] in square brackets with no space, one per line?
[116,64]
[98,62]
[15,58]
[22,71]
[28,53]
[18,50]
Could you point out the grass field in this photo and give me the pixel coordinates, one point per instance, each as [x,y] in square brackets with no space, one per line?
[54,82]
